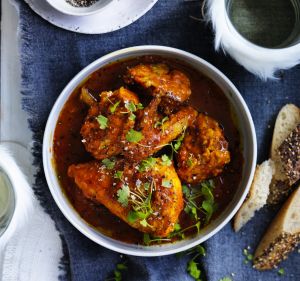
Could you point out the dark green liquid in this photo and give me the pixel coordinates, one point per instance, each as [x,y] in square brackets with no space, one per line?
[267,23]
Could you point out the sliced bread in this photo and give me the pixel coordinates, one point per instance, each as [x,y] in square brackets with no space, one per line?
[282,236]
[287,120]
[289,153]
[279,191]
[257,196]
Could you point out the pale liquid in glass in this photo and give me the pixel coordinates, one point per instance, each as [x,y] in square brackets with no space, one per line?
[6,201]
[267,23]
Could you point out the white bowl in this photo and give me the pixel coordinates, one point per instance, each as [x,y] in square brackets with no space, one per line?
[66,8]
[245,127]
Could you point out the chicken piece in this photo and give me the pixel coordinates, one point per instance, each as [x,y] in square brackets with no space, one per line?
[173,85]
[150,200]
[107,123]
[204,151]
[154,138]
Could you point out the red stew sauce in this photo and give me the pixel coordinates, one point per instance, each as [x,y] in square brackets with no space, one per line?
[68,149]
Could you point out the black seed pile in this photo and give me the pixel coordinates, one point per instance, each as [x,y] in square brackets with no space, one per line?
[81,3]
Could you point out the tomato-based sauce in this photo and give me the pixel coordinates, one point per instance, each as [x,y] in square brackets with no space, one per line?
[68,149]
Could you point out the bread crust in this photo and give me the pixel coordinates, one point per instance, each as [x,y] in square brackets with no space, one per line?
[257,196]
[282,236]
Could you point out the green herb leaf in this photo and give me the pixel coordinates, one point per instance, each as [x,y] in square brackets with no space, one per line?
[144,223]
[177,227]
[121,266]
[102,120]
[134,136]
[166,161]
[133,216]
[109,164]
[146,239]
[118,175]
[132,117]
[178,142]
[147,164]
[248,256]
[208,207]
[201,250]
[281,271]
[193,270]
[206,192]
[186,191]
[166,183]
[130,106]
[113,107]
[146,186]
[161,123]
[123,195]
[139,106]
[117,275]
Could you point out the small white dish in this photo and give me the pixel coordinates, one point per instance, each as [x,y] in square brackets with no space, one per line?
[244,124]
[66,8]
[114,15]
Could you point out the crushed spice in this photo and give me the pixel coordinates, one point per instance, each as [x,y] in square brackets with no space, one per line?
[81,3]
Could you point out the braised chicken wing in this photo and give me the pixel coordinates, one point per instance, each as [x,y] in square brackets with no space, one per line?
[204,151]
[107,123]
[160,81]
[147,196]
[157,131]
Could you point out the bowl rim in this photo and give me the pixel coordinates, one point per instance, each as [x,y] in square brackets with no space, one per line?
[71,214]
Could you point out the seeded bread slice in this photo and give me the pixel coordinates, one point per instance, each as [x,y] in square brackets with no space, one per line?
[257,196]
[287,120]
[282,236]
[279,191]
[289,153]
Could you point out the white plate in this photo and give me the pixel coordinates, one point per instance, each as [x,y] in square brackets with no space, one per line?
[115,15]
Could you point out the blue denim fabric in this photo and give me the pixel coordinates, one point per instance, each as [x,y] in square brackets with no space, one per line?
[51,56]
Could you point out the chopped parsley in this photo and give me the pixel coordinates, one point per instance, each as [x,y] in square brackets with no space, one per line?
[193,270]
[178,142]
[166,183]
[147,164]
[146,186]
[118,175]
[192,266]
[109,164]
[102,121]
[131,107]
[248,256]
[113,107]
[134,136]
[281,271]
[208,205]
[147,239]
[132,117]
[118,272]
[166,161]
[161,123]
[123,195]
[141,205]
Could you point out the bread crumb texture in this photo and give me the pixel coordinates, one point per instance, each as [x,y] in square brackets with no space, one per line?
[277,251]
